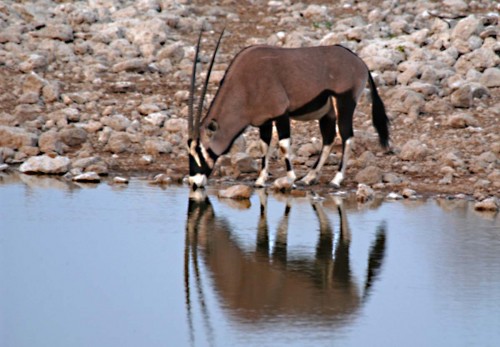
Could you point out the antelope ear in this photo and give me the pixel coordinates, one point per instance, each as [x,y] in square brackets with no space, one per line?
[213,125]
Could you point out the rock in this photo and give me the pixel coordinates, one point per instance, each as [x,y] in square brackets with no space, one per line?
[3,167]
[175,125]
[491,77]
[467,27]
[50,142]
[414,150]
[120,180]
[73,136]
[91,176]
[364,193]
[156,119]
[15,138]
[119,142]
[239,191]
[117,122]
[461,120]
[456,5]
[162,179]
[157,146]
[393,196]
[131,65]
[47,165]
[408,193]
[91,164]
[61,32]
[488,204]
[480,59]
[369,175]
[244,163]
[391,178]
[463,97]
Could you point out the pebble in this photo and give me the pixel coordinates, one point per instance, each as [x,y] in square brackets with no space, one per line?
[239,191]
[91,177]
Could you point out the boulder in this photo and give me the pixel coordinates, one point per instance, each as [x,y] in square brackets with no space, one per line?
[15,138]
[45,164]
[369,175]
[414,150]
[91,176]
[364,193]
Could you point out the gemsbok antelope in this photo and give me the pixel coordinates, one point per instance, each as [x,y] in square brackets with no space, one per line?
[266,85]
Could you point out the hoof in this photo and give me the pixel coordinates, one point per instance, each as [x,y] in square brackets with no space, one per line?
[335,185]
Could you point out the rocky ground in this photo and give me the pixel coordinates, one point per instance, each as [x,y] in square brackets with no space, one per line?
[100,86]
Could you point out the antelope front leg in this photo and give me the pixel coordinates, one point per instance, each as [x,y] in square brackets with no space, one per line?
[266,133]
[287,181]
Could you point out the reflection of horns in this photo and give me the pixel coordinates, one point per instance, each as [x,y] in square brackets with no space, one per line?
[197,209]
[194,124]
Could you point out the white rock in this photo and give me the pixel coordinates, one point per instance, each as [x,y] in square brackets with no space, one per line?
[87,177]
[364,193]
[45,164]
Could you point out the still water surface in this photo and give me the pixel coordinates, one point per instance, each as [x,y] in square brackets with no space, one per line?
[101,265]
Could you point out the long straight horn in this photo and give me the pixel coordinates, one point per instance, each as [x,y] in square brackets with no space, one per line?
[191,91]
[204,90]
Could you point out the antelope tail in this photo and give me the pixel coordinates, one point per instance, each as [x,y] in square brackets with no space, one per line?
[379,117]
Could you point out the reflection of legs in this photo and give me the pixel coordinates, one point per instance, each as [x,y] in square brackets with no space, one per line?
[327,127]
[263,229]
[283,127]
[266,132]
[280,244]
[345,107]
[342,267]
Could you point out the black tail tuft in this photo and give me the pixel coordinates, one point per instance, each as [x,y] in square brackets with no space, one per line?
[379,117]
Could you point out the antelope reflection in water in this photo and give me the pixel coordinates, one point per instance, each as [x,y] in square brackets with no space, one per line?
[270,285]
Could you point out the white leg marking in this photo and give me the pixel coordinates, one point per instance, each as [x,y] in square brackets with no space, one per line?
[199,180]
[339,176]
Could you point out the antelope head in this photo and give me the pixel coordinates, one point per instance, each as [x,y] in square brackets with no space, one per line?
[201,158]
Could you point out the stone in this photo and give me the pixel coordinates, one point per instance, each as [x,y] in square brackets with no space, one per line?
[117,122]
[162,179]
[408,193]
[50,142]
[156,119]
[94,163]
[238,191]
[244,163]
[73,136]
[491,77]
[467,27]
[369,175]
[131,65]
[489,204]
[47,165]
[61,32]
[364,193]
[414,150]
[4,167]
[120,180]
[463,97]
[393,196]
[461,120]
[15,138]
[157,146]
[91,177]
[175,125]
[119,142]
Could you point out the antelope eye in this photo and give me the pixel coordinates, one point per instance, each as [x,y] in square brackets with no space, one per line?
[212,126]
